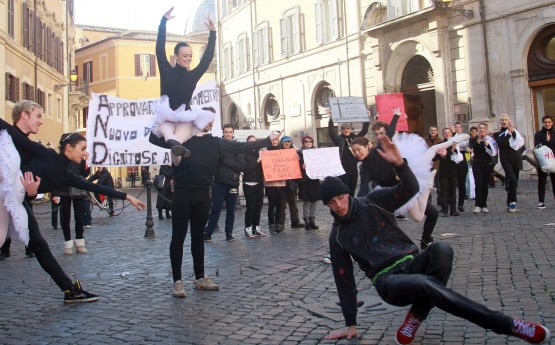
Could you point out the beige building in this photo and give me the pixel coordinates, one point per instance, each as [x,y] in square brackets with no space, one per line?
[122,63]
[467,61]
[36,57]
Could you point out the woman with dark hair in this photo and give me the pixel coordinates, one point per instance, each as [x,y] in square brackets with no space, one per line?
[253,187]
[44,171]
[309,189]
[483,148]
[174,116]
[546,137]
[275,191]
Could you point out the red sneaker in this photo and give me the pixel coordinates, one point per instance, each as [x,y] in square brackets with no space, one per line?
[405,334]
[531,332]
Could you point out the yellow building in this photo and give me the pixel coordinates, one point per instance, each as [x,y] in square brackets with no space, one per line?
[36,55]
[122,63]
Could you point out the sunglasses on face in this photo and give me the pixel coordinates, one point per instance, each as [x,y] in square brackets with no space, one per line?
[308,141]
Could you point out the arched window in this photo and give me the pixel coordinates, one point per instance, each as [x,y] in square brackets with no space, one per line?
[271,109]
[322,99]
[233,116]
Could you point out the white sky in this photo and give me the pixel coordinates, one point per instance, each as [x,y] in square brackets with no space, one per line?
[134,14]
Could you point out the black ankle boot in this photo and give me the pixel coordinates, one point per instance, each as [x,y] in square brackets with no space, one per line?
[178,149]
[312,224]
[307,224]
[168,215]
[160,215]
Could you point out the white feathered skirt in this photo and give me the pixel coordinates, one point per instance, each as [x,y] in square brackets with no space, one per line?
[201,118]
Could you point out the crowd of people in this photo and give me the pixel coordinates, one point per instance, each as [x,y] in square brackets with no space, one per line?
[398,172]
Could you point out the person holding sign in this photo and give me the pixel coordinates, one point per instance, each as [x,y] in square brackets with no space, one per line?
[364,231]
[174,116]
[546,137]
[191,200]
[275,192]
[309,190]
[348,160]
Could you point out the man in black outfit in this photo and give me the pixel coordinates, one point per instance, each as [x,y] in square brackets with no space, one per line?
[191,200]
[348,161]
[365,231]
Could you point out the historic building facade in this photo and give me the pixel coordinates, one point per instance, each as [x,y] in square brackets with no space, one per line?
[36,59]
[467,61]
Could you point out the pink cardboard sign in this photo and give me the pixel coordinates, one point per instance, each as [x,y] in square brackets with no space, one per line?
[279,165]
[386,103]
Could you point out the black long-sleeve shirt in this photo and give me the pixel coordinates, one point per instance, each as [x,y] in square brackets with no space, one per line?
[197,171]
[369,234]
[177,82]
[348,161]
[541,138]
[49,166]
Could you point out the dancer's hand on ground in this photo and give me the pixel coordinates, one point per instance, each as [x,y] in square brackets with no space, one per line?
[139,205]
[210,24]
[390,151]
[30,184]
[168,14]
[349,333]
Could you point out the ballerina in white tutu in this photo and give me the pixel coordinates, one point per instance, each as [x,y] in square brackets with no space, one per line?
[175,120]
[419,158]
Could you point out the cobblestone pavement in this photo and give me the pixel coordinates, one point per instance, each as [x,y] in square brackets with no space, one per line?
[274,290]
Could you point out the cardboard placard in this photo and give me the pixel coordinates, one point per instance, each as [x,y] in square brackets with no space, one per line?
[386,103]
[348,109]
[279,165]
[324,162]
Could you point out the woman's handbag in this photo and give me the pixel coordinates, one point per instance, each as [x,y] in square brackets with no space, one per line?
[546,159]
[159,181]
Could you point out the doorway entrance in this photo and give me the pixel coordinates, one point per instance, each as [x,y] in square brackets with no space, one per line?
[417,86]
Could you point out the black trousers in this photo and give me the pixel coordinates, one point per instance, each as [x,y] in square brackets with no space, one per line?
[78,215]
[39,246]
[542,180]
[482,174]
[462,171]
[420,282]
[448,188]
[54,207]
[431,214]
[254,198]
[511,166]
[275,204]
[189,206]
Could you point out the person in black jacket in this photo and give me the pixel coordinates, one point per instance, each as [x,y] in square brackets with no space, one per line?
[163,201]
[253,188]
[546,137]
[104,179]
[43,172]
[509,142]
[365,231]
[66,201]
[174,116]
[348,161]
[226,183]
[448,176]
[291,192]
[191,200]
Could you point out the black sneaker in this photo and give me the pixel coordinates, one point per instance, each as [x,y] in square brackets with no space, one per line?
[401,217]
[461,209]
[78,295]
[207,238]
[229,237]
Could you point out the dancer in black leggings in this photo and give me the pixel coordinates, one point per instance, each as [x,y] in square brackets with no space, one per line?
[365,231]
[483,148]
[45,171]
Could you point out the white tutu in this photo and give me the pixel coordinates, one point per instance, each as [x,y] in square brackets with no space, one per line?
[13,216]
[414,149]
[164,113]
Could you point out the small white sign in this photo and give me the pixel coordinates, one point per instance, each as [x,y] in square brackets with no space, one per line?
[348,109]
[324,162]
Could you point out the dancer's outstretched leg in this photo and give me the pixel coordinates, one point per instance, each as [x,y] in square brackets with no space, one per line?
[417,211]
[431,152]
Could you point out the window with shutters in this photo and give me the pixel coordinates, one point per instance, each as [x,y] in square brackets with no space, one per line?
[260,45]
[12,88]
[11,18]
[145,65]
[290,33]
[88,72]
[242,54]
[41,98]
[50,107]
[227,62]
[327,28]
[38,37]
[28,91]
[59,109]
[399,8]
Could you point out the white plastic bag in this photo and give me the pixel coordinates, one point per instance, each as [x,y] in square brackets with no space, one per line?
[546,159]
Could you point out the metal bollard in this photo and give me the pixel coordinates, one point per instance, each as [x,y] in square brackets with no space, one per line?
[149,222]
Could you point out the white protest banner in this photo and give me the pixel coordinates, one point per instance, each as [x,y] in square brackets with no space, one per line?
[241,135]
[118,129]
[348,109]
[324,162]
